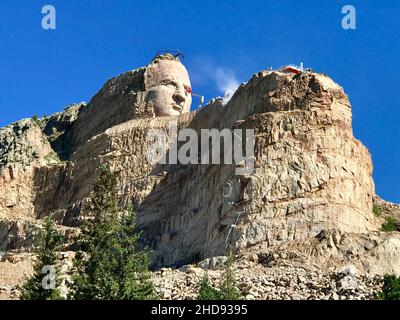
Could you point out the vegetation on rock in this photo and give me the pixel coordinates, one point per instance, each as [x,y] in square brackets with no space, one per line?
[391,224]
[110,267]
[207,291]
[36,119]
[228,289]
[391,288]
[44,284]
[377,210]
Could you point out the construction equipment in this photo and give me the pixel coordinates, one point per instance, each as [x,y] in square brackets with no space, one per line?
[175,52]
[201,99]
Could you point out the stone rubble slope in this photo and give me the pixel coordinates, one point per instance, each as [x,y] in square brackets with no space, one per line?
[258,282]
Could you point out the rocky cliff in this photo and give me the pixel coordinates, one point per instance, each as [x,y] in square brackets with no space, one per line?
[311,177]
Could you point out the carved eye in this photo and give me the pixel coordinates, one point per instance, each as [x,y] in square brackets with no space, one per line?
[165,81]
[169,82]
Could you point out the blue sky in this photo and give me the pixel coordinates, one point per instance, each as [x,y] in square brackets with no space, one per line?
[43,71]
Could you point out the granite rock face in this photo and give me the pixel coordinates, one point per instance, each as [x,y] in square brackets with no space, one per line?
[23,146]
[310,174]
[22,143]
[57,128]
[112,105]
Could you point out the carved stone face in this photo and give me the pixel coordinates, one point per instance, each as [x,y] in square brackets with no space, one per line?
[168,87]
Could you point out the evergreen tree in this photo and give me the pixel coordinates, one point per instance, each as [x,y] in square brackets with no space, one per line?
[390,289]
[207,291]
[228,287]
[44,283]
[110,267]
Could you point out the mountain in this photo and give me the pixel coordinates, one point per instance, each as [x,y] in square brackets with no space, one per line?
[308,200]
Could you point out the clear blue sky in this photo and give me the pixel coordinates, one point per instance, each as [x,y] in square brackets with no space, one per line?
[42,71]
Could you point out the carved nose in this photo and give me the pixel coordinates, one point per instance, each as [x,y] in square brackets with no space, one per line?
[178,98]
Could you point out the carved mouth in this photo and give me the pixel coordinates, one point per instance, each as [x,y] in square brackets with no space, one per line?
[177,108]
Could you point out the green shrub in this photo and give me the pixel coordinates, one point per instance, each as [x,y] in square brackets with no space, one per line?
[36,119]
[391,224]
[207,291]
[377,210]
[391,288]
[228,287]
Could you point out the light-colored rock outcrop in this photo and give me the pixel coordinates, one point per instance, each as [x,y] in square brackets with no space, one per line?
[58,126]
[23,148]
[310,173]
[23,143]
[311,189]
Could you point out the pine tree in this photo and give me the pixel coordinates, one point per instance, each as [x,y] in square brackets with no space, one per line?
[44,283]
[109,266]
[207,291]
[228,287]
[390,289]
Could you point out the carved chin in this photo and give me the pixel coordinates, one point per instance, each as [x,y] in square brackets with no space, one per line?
[177,108]
[167,111]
